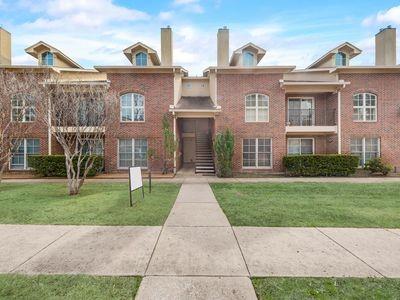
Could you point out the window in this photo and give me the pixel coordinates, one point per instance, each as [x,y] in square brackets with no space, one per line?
[248,59]
[257,108]
[47,59]
[301,112]
[257,153]
[300,146]
[364,107]
[141,59]
[340,59]
[132,108]
[23,149]
[93,147]
[365,148]
[23,108]
[132,152]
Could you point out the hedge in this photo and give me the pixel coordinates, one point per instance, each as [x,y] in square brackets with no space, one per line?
[320,165]
[54,165]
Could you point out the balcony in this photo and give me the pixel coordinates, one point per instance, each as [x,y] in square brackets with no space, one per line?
[311,121]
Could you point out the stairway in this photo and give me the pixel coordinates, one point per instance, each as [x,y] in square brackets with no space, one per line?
[204,156]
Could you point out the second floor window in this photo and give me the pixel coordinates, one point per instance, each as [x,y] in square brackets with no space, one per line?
[141,59]
[364,107]
[132,107]
[248,59]
[23,108]
[340,59]
[257,108]
[47,59]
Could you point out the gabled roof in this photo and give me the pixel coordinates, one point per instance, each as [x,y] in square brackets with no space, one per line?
[35,49]
[346,46]
[140,46]
[260,52]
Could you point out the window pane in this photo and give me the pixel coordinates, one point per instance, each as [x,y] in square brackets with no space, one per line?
[125,153]
[263,114]
[264,152]
[294,146]
[356,149]
[251,100]
[307,146]
[249,152]
[251,115]
[357,114]
[126,114]
[140,153]
[262,100]
[248,59]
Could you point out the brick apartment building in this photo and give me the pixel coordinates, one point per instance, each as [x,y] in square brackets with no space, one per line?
[329,107]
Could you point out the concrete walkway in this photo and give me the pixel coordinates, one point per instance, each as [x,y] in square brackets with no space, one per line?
[197,254]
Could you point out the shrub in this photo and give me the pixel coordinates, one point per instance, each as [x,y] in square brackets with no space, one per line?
[223,147]
[376,165]
[54,165]
[320,165]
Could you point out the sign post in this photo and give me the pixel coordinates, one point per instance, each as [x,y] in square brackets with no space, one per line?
[135,182]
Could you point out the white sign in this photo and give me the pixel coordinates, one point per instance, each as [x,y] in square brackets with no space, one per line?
[135,178]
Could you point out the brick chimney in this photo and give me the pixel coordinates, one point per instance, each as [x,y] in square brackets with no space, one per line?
[223,47]
[166,46]
[385,47]
[5,47]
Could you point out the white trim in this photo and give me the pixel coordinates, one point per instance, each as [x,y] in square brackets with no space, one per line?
[339,124]
[256,167]
[24,143]
[256,108]
[132,108]
[133,153]
[301,138]
[364,108]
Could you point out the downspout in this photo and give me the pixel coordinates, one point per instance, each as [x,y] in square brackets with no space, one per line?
[49,128]
[174,122]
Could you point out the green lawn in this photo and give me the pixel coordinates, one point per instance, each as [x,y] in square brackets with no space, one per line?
[97,204]
[67,287]
[310,204]
[326,288]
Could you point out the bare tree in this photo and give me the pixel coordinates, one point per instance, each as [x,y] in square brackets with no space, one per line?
[78,114]
[18,93]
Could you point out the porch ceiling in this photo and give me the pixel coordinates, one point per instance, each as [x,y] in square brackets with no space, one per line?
[199,106]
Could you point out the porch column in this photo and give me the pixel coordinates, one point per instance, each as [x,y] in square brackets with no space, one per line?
[339,125]
[174,121]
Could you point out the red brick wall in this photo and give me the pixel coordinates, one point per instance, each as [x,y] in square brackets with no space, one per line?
[158,90]
[232,90]
[387,127]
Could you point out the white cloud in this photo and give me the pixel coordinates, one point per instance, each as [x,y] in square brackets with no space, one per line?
[192,6]
[166,15]
[83,13]
[390,16]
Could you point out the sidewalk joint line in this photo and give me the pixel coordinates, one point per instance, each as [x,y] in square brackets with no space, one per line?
[395,233]
[333,240]
[41,250]
[240,249]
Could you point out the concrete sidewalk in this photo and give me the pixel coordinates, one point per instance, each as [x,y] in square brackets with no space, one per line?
[197,254]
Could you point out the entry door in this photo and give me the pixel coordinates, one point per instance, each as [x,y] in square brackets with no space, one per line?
[301,112]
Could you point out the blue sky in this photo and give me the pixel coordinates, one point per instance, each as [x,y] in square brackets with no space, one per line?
[94,32]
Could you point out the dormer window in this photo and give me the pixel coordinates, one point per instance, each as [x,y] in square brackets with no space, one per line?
[248,59]
[141,59]
[340,59]
[47,59]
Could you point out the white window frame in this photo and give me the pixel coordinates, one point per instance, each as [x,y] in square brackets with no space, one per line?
[301,99]
[52,58]
[133,152]
[136,59]
[24,109]
[341,57]
[256,166]
[24,143]
[303,138]
[362,163]
[132,108]
[253,63]
[256,108]
[364,108]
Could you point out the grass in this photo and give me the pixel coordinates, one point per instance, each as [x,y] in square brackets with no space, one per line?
[310,204]
[326,288]
[67,287]
[97,204]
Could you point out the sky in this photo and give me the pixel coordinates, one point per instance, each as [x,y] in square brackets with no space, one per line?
[94,32]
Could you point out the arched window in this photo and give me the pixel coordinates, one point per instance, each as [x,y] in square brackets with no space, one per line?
[340,59]
[132,107]
[47,59]
[248,59]
[257,108]
[364,107]
[23,108]
[141,59]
